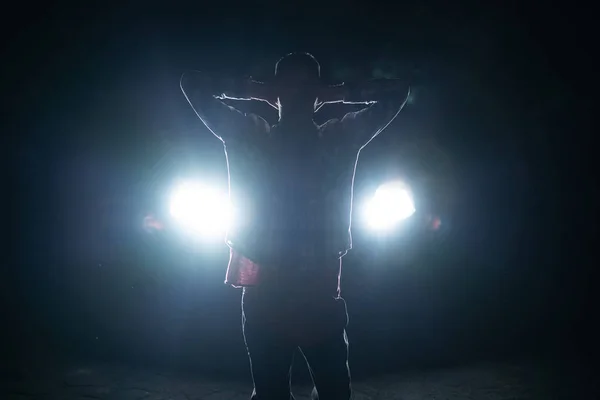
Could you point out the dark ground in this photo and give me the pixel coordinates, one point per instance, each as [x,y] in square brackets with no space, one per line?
[524,380]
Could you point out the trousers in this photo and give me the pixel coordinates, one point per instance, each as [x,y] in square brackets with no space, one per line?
[279,320]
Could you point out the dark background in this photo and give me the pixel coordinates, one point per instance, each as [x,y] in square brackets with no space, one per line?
[496,142]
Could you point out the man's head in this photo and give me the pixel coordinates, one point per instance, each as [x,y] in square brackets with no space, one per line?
[297,78]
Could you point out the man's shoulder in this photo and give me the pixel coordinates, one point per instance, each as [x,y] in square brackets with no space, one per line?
[329,126]
[261,125]
[345,122]
[329,123]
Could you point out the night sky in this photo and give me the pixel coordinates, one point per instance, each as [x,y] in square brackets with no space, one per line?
[495,140]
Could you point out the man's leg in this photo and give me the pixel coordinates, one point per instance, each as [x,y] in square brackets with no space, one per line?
[327,361]
[269,353]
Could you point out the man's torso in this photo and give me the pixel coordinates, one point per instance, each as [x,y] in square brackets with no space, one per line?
[291,188]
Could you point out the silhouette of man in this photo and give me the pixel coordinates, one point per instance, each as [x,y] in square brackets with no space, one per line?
[292,185]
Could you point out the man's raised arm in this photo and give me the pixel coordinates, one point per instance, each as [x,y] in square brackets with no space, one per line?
[205,94]
[387,97]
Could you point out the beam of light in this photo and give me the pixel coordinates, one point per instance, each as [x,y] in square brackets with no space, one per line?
[201,210]
[391,204]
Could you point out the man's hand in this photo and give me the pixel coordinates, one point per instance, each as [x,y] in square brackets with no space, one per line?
[204,93]
[217,86]
[359,93]
[262,92]
[248,89]
[386,97]
[333,93]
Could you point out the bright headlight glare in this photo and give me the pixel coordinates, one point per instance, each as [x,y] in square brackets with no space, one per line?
[201,209]
[391,204]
